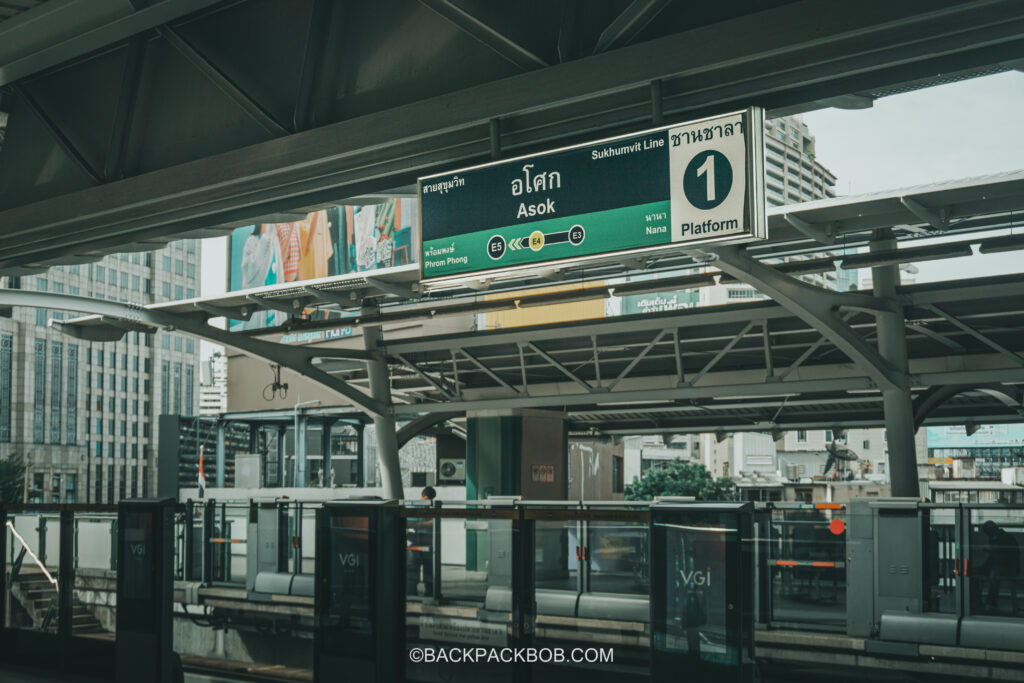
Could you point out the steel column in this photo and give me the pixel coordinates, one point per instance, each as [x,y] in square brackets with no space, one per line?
[384,423]
[897,401]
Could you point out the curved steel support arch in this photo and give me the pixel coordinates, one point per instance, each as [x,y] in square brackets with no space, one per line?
[927,401]
[116,319]
[122,318]
[414,428]
[817,307]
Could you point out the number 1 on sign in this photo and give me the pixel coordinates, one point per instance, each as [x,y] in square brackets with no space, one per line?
[707,169]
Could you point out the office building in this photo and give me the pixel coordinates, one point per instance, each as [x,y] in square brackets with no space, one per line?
[83,415]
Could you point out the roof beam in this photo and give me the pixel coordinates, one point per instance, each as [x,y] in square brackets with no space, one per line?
[56,32]
[937,218]
[243,99]
[491,38]
[58,135]
[631,21]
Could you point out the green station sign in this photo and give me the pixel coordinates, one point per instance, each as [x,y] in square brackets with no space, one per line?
[666,188]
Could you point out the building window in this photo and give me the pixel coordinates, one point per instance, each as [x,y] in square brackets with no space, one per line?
[191,270]
[72,397]
[112,276]
[801,436]
[165,386]
[189,381]
[177,389]
[145,481]
[56,385]
[39,405]
[100,274]
[110,483]
[179,293]
[866,445]
[190,345]
[165,341]
[41,317]
[179,266]
[98,484]
[165,288]
[135,481]
[166,263]
[124,281]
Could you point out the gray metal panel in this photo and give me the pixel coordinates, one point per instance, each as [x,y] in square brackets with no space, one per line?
[614,606]
[557,603]
[898,578]
[860,569]
[933,629]
[278,583]
[992,633]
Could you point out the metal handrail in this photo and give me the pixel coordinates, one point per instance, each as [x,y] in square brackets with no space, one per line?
[34,557]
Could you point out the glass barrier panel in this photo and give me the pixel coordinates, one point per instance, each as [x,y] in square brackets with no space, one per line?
[617,558]
[994,570]
[460,598]
[806,561]
[940,561]
[94,601]
[33,558]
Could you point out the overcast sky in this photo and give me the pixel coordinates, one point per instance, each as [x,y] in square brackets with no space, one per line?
[949,132]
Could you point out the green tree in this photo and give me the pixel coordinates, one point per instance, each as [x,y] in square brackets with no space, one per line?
[12,479]
[681,478]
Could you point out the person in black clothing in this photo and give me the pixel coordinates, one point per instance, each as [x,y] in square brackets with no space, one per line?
[1001,562]
[419,542]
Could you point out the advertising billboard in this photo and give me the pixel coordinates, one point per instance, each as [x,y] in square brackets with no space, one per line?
[338,240]
[678,185]
[986,436]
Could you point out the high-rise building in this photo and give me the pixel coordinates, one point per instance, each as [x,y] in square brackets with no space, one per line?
[84,415]
[213,384]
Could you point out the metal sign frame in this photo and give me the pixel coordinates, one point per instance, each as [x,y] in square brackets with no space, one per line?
[754,210]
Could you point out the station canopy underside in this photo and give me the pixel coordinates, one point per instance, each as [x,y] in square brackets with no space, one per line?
[129,124]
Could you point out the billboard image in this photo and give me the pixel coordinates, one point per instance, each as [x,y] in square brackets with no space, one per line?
[338,240]
[683,184]
[986,436]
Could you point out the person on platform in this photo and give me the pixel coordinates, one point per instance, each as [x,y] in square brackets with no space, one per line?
[1001,563]
[419,545]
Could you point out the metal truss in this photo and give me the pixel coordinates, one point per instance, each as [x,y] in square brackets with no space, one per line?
[719,353]
[818,307]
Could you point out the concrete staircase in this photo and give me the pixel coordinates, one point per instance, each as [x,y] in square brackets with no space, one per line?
[38,598]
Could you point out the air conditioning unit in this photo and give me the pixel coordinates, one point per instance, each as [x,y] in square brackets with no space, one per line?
[451,470]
